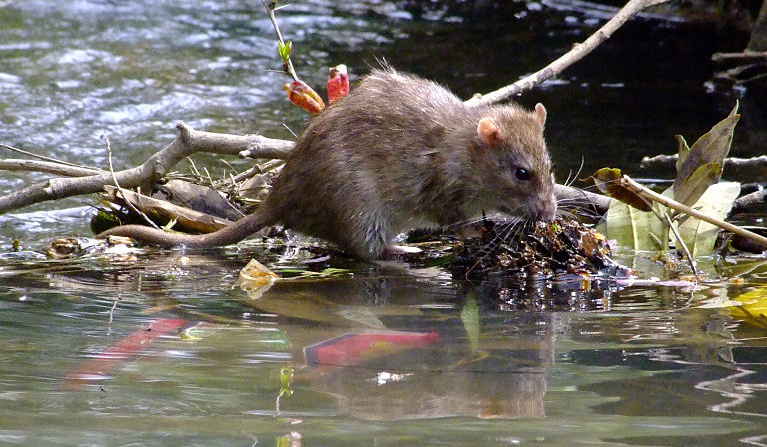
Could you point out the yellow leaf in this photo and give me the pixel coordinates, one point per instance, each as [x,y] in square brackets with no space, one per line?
[753,309]
[256,278]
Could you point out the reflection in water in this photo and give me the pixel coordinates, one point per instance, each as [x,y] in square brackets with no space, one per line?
[556,364]
[648,362]
[438,374]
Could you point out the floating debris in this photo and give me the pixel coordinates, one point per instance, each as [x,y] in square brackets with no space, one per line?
[535,248]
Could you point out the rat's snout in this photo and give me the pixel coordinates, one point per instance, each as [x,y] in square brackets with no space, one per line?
[542,208]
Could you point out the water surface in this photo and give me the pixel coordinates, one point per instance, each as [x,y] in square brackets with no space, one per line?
[551,364]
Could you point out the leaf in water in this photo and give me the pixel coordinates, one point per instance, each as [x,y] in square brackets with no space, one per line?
[470,320]
[712,147]
[256,278]
[607,180]
[700,236]
[362,315]
[631,228]
[753,309]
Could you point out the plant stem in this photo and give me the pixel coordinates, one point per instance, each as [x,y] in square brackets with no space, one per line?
[629,183]
[288,63]
[685,250]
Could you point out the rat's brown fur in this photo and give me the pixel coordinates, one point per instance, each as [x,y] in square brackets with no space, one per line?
[398,152]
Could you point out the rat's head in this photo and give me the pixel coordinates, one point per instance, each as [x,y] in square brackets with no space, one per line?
[510,145]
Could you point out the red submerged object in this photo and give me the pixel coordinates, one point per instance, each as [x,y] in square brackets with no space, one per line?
[355,348]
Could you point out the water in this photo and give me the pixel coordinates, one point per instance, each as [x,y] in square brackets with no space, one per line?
[551,365]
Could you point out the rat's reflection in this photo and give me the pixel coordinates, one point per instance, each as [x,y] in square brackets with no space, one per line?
[401,346]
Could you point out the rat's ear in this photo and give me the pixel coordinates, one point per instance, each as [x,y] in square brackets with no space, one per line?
[488,132]
[540,113]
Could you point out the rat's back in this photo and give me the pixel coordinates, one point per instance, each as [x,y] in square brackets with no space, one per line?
[356,176]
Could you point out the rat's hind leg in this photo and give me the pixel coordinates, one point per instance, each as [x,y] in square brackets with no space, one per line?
[370,232]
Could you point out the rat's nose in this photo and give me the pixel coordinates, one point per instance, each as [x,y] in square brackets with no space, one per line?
[544,209]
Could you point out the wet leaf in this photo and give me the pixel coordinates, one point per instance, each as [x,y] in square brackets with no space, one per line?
[65,248]
[607,180]
[470,320]
[305,97]
[710,148]
[700,236]
[256,278]
[632,228]
[120,240]
[338,83]
[753,308]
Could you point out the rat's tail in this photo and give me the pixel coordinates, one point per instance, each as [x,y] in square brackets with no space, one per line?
[225,236]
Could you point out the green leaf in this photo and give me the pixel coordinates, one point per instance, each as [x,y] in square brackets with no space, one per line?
[607,180]
[285,50]
[631,228]
[684,151]
[700,236]
[711,147]
[698,183]
[470,320]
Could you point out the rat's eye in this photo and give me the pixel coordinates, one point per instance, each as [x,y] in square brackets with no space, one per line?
[522,174]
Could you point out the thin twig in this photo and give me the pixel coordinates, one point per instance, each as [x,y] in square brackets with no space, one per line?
[42,157]
[112,310]
[122,192]
[194,169]
[270,7]
[208,177]
[49,167]
[682,245]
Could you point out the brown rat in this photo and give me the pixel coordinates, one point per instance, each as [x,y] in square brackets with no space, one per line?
[398,152]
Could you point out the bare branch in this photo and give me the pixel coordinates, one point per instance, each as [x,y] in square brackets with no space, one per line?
[122,191]
[579,50]
[741,169]
[50,167]
[745,56]
[156,167]
[41,157]
[756,202]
